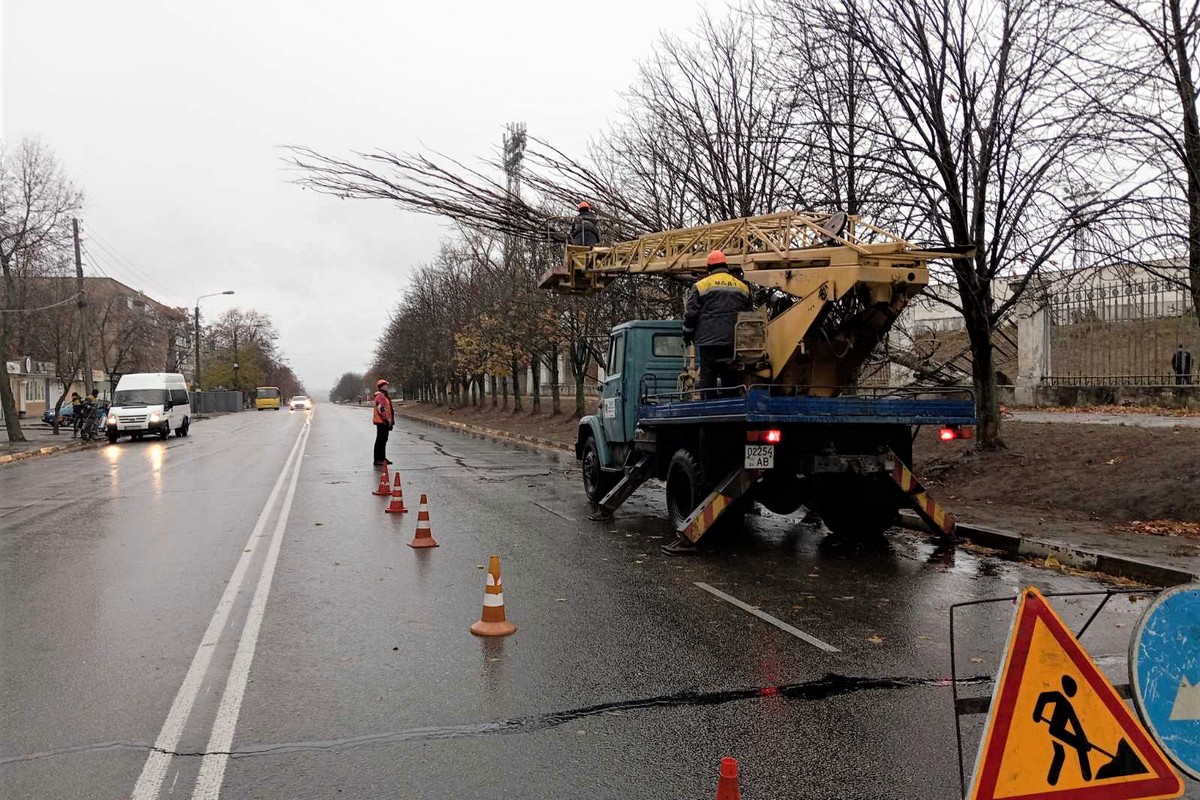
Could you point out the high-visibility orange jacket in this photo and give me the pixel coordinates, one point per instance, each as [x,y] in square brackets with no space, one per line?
[382,413]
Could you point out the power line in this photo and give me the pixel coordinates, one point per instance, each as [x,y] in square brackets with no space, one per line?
[94,262]
[104,245]
[125,265]
[70,299]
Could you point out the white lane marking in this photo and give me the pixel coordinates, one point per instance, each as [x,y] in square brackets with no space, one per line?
[212,768]
[765,617]
[149,783]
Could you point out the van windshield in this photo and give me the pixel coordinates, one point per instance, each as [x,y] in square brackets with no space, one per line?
[140,397]
[266,392]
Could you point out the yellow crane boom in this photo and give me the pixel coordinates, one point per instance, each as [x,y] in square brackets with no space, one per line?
[846,279]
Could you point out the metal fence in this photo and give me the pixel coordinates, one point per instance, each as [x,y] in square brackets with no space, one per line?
[1120,334]
[216,402]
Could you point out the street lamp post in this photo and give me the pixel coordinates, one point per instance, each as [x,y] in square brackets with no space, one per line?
[196,377]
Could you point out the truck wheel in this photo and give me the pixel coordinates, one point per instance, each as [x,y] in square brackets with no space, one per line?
[165,431]
[596,482]
[858,506]
[685,486]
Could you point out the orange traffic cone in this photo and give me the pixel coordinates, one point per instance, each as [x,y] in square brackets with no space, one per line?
[383,490]
[424,536]
[492,622]
[397,504]
[727,784]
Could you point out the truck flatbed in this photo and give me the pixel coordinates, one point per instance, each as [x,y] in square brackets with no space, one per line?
[767,406]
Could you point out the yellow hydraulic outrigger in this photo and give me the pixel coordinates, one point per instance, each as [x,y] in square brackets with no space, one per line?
[845,281]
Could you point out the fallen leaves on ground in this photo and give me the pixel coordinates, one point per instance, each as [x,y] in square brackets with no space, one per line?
[875,638]
[1160,411]
[1163,527]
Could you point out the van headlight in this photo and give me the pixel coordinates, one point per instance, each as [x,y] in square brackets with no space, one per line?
[155,416]
[112,419]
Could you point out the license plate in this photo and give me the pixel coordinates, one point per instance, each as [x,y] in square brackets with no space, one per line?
[760,456]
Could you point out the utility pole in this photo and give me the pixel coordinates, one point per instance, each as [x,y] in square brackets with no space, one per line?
[514,155]
[237,375]
[83,326]
[196,374]
[196,378]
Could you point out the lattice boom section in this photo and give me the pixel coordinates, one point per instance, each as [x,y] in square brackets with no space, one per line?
[780,238]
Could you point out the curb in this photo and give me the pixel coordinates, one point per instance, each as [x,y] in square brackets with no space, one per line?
[1077,557]
[40,451]
[466,427]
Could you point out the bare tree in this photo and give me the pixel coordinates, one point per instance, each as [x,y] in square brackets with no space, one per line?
[36,202]
[1151,57]
[54,331]
[982,128]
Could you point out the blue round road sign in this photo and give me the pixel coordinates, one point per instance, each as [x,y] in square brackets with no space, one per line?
[1164,668]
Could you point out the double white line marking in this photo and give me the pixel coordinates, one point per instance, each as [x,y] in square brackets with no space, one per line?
[212,768]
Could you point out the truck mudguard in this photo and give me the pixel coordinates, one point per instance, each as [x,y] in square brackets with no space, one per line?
[590,426]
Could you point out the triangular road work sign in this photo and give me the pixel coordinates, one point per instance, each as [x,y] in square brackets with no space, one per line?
[1057,730]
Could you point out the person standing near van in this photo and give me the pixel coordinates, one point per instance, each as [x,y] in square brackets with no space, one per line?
[76,414]
[384,418]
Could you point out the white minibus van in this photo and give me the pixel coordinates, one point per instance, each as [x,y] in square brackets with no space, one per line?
[149,402]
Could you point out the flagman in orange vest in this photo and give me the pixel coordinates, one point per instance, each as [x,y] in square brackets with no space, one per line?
[384,418]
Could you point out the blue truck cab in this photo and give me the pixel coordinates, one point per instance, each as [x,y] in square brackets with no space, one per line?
[644,358]
[847,457]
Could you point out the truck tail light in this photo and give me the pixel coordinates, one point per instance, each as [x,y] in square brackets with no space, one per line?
[951,432]
[772,436]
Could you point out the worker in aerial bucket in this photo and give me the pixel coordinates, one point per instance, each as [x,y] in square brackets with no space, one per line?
[709,318]
[585,228]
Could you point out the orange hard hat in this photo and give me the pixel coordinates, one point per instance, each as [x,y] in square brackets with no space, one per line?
[716,258]
[584,206]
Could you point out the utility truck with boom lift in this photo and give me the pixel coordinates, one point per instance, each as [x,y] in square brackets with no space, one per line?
[798,430]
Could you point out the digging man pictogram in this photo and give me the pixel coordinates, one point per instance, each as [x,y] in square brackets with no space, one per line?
[1066,729]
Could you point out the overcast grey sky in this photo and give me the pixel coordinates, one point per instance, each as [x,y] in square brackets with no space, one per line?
[168,114]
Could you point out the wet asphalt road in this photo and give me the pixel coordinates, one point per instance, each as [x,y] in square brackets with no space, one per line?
[339,662]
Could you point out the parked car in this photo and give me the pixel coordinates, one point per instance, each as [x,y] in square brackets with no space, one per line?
[301,402]
[66,415]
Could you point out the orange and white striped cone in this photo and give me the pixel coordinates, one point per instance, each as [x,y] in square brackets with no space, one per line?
[492,621]
[383,490]
[397,504]
[423,536]
[727,783]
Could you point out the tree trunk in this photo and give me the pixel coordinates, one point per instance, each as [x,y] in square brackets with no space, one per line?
[11,423]
[7,401]
[494,392]
[579,371]
[555,400]
[504,389]
[983,375]
[516,378]
[535,383]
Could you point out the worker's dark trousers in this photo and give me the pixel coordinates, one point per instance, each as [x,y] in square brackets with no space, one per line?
[381,437]
[711,370]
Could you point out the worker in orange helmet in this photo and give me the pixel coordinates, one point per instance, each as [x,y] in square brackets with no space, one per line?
[384,417]
[709,318]
[585,228]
